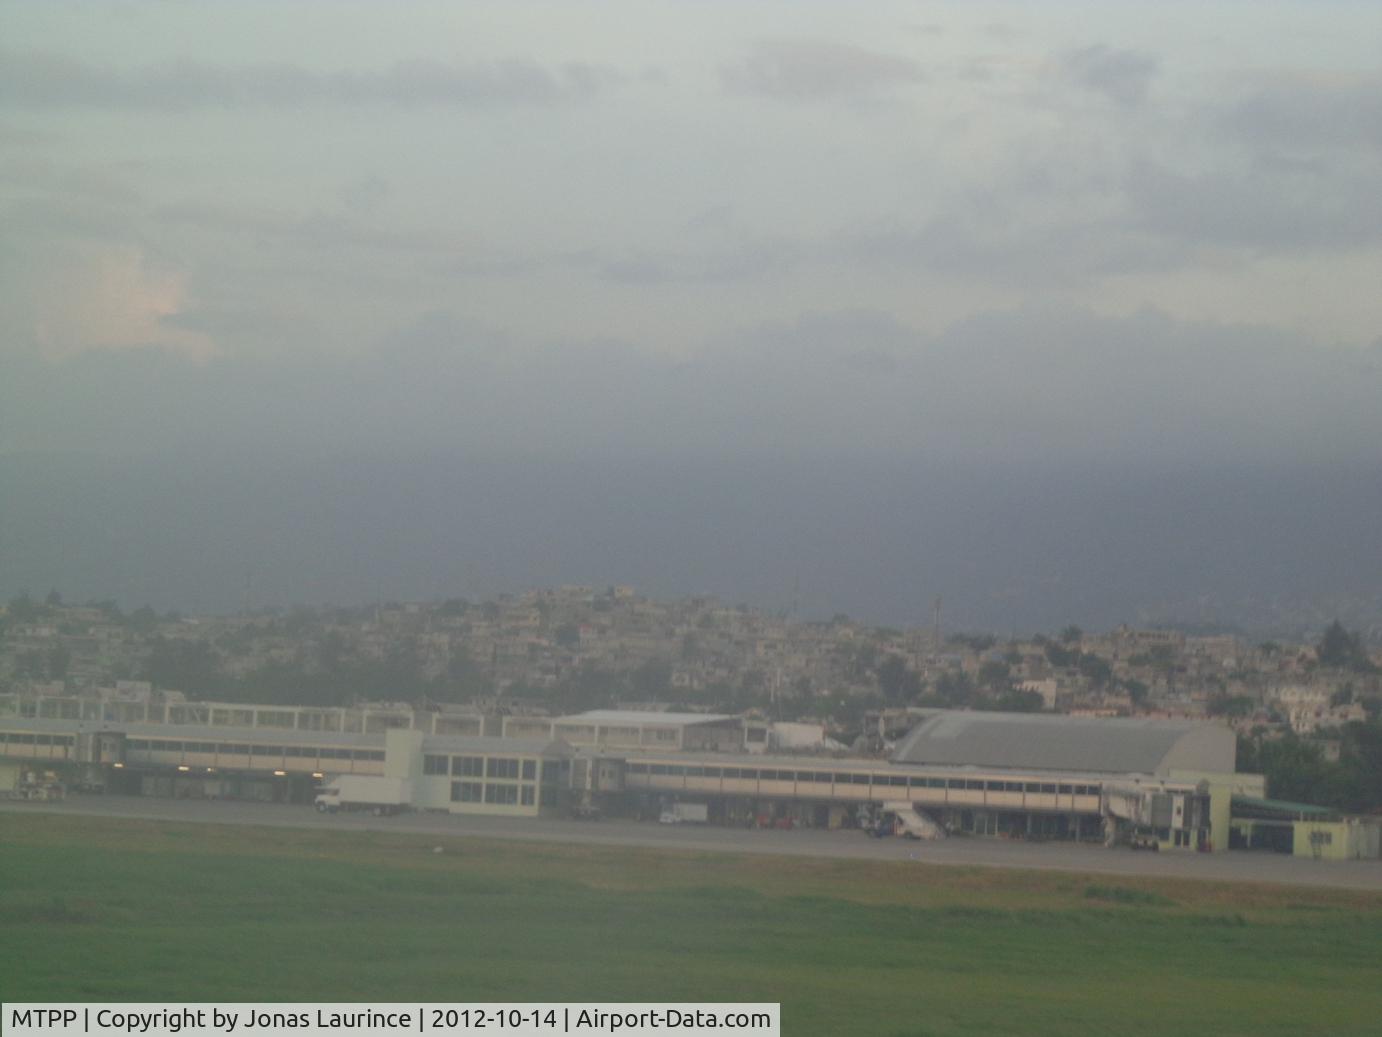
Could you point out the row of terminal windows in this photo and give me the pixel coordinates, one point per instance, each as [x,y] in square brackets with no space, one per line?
[840,778]
[159,745]
[500,795]
[500,768]
[14,738]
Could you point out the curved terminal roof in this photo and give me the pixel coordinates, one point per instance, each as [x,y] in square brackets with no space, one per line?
[1123,745]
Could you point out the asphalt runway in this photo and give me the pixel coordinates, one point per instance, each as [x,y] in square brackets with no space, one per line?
[965,852]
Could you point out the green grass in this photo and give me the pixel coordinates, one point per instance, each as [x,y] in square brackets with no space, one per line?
[95,909]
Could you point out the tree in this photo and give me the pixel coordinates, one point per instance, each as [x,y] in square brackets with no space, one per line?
[995,676]
[1340,649]
[1061,657]
[58,659]
[331,651]
[896,681]
[1071,635]
[1297,770]
[1014,700]
[1222,704]
[653,679]
[462,680]
[567,635]
[189,666]
[1137,690]
[23,609]
[144,620]
[974,642]
[953,688]
[1294,768]
[1097,671]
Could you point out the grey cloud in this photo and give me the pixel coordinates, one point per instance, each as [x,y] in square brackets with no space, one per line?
[450,252]
[315,229]
[809,70]
[747,260]
[1050,252]
[1288,210]
[49,81]
[366,195]
[40,218]
[1294,116]
[992,243]
[1124,76]
[1002,31]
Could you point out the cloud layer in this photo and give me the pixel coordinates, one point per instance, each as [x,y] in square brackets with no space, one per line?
[1039,385]
[30,80]
[810,70]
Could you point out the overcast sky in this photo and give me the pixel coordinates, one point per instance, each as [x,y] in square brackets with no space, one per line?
[1039,233]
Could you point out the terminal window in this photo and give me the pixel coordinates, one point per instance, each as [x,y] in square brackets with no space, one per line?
[503,795]
[466,792]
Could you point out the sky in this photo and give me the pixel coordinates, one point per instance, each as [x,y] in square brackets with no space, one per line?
[1038,244]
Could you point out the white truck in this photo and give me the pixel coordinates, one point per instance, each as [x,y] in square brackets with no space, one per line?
[380,796]
[685,813]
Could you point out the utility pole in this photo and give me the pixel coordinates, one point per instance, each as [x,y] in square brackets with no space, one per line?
[936,624]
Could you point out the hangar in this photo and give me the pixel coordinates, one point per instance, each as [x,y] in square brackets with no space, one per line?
[1047,742]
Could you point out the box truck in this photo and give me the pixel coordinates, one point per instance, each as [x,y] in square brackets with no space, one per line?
[380,796]
[685,813]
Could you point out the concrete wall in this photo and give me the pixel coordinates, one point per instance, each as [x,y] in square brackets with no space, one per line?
[403,753]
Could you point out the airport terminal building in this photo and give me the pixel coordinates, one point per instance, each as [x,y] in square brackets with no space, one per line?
[1164,784]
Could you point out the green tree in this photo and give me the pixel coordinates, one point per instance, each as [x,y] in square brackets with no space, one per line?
[652,680]
[1014,700]
[995,676]
[1059,657]
[144,620]
[953,688]
[462,681]
[1342,649]
[58,658]
[1222,704]
[189,666]
[1097,671]
[896,680]
[23,608]
[1137,691]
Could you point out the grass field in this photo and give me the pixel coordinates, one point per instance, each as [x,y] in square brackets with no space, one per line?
[102,909]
